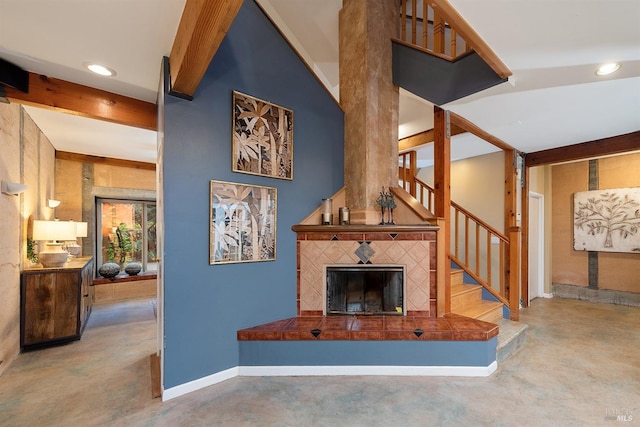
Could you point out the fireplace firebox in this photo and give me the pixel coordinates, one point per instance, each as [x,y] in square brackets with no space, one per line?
[365,289]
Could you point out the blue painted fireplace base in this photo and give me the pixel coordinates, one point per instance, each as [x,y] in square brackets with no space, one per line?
[312,353]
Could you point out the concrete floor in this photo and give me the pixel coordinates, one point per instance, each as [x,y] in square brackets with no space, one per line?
[580,367]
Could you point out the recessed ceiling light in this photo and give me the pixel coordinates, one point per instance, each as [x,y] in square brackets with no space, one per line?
[609,68]
[100,69]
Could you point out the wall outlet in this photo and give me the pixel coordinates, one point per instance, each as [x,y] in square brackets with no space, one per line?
[495,240]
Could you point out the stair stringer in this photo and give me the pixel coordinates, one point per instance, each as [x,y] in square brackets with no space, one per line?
[438,80]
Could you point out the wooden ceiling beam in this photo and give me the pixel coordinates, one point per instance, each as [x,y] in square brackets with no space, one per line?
[470,127]
[85,158]
[203,25]
[600,147]
[72,98]
[423,138]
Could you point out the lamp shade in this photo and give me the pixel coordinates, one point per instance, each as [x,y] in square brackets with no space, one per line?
[54,230]
[81,229]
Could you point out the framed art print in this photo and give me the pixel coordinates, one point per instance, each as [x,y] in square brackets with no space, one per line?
[242,223]
[607,220]
[262,138]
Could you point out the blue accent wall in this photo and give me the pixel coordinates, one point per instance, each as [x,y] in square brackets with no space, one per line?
[368,353]
[205,305]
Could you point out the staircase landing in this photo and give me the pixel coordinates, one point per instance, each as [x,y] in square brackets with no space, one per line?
[511,339]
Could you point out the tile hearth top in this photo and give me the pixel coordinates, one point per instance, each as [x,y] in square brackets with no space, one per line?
[451,327]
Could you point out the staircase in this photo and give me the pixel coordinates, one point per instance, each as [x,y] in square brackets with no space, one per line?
[466,300]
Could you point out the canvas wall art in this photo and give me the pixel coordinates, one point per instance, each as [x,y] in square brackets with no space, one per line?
[607,220]
[262,137]
[242,223]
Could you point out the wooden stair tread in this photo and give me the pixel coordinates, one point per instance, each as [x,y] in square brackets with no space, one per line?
[466,300]
[464,288]
[479,308]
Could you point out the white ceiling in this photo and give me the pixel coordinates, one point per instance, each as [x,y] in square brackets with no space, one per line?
[553,99]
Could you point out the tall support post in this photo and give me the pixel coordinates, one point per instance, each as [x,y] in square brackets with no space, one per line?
[510,188]
[524,250]
[512,226]
[370,102]
[442,187]
[514,267]
[441,271]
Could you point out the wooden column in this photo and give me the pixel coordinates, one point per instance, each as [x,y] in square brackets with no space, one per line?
[512,278]
[514,269]
[524,250]
[370,102]
[442,187]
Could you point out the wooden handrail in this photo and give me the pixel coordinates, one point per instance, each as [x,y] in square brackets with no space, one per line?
[467,233]
[480,280]
[431,52]
[430,193]
[433,29]
[420,210]
[479,221]
[475,268]
[439,20]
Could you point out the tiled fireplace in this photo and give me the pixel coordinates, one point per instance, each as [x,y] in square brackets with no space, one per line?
[414,342]
[411,248]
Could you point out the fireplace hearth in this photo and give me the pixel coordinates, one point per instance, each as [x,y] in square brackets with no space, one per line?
[365,290]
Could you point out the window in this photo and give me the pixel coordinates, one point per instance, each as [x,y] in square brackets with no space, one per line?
[127,232]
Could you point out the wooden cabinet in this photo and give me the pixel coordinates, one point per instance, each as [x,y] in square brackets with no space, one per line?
[55,303]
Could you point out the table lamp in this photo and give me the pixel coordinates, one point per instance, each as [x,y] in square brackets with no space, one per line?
[72,246]
[55,233]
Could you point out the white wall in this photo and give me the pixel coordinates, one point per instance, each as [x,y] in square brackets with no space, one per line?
[477,184]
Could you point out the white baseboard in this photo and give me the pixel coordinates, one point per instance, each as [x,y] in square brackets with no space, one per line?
[279,371]
[203,382]
[433,371]
[545,295]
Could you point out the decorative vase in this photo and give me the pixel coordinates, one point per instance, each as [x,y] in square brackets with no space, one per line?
[133,268]
[109,270]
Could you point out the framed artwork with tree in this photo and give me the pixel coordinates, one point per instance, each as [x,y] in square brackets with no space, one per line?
[607,220]
[262,138]
[242,223]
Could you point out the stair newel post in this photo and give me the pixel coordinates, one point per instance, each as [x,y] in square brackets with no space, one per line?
[513,273]
[442,193]
[442,277]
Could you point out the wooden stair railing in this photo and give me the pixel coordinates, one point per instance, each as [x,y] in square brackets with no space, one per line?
[425,28]
[479,249]
[437,28]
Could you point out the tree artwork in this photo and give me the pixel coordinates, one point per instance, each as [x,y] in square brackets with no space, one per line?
[607,220]
[243,223]
[262,138]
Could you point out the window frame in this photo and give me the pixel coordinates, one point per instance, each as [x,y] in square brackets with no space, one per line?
[125,200]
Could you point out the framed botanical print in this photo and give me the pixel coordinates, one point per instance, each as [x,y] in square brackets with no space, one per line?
[262,138]
[242,223]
